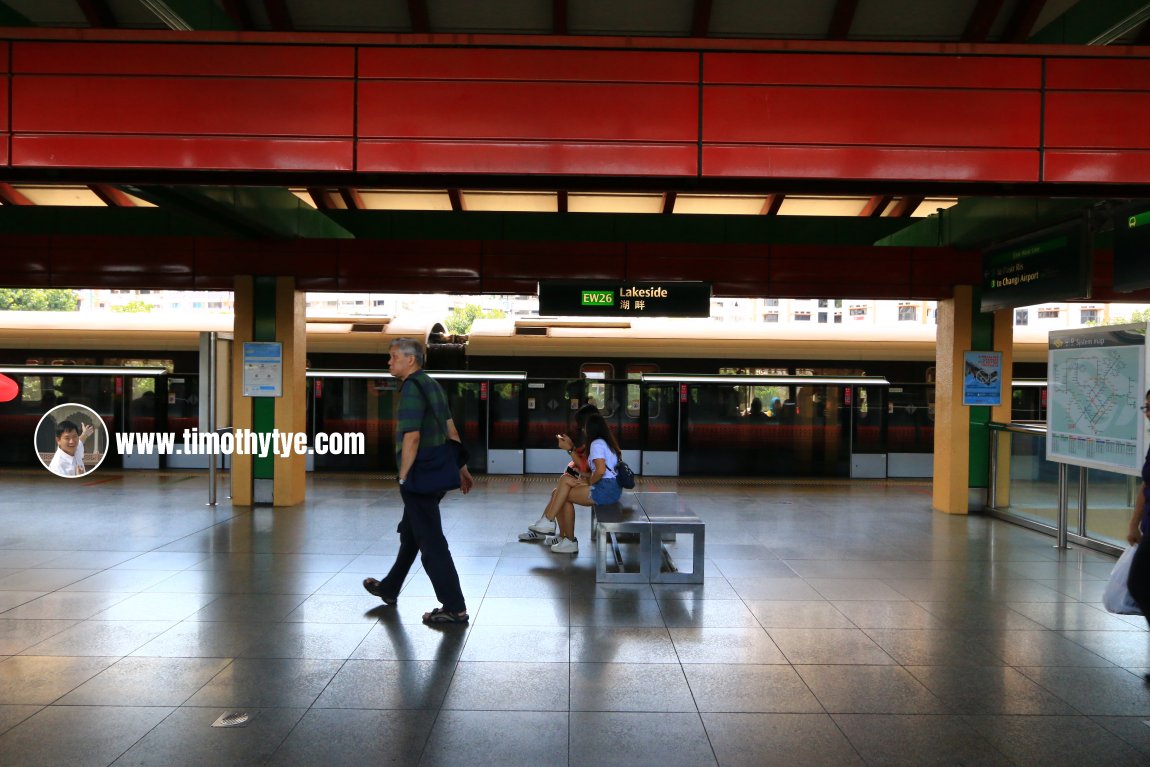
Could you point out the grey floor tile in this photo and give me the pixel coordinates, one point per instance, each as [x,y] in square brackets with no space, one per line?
[18,635]
[43,579]
[186,738]
[1095,691]
[1056,741]
[251,607]
[493,686]
[888,615]
[196,639]
[918,741]
[41,680]
[146,682]
[794,740]
[63,605]
[549,584]
[507,611]
[497,739]
[330,608]
[751,568]
[689,612]
[774,589]
[119,580]
[388,684]
[530,644]
[353,738]
[392,640]
[608,644]
[798,615]
[827,646]
[869,690]
[619,612]
[308,640]
[711,588]
[160,560]
[97,638]
[77,735]
[1073,616]
[937,647]
[14,600]
[286,682]
[980,615]
[155,607]
[843,589]
[1131,729]
[750,689]
[668,740]
[1044,648]
[1124,648]
[13,714]
[725,645]
[629,687]
[989,690]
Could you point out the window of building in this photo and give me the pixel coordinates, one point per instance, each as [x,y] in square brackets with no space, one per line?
[858,311]
[838,303]
[838,318]
[1021,316]
[771,317]
[907,313]
[772,302]
[802,316]
[1047,314]
[1091,315]
[823,317]
[822,303]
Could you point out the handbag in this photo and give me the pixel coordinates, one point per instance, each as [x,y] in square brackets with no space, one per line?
[624,476]
[1116,598]
[436,469]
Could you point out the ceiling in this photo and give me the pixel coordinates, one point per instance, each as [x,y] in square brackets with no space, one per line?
[1041,22]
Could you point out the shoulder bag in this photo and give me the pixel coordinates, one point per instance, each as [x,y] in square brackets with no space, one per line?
[624,476]
[436,469]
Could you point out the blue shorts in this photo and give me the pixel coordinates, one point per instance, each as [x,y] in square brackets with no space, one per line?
[605,491]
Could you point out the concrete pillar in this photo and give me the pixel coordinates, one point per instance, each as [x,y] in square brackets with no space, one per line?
[270,309]
[951,491]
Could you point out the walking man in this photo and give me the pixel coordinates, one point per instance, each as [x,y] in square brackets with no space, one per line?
[422,420]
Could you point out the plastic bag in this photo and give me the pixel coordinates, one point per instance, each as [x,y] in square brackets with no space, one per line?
[1116,598]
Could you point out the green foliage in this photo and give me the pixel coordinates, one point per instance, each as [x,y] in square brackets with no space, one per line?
[1142,315]
[135,307]
[38,300]
[462,318]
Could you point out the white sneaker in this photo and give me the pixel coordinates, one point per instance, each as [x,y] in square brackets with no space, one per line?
[566,546]
[544,526]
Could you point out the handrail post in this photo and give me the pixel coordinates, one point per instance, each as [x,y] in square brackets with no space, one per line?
[214,458]
[1082,490]
[992,501]
[1063,505]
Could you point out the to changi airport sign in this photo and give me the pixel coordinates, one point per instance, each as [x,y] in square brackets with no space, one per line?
[1132,249]
[1051,265]
[598,298]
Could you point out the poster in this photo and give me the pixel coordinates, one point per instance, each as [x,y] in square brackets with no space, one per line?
[982,378]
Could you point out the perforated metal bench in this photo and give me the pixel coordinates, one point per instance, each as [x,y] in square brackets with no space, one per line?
[656,519]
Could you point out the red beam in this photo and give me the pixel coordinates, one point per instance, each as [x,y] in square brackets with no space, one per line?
[875,206]
[772,204]
[841,20]
[11,196]
[111,196]
[351,198]
[669,202]
[561,201]
[905,206]
[981,20]
[456,198]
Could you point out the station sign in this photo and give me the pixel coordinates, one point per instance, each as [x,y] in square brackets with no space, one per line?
[1132,249]
[1051,265]
[601,298]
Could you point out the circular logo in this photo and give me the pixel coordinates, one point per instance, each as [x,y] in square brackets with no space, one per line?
[71,440]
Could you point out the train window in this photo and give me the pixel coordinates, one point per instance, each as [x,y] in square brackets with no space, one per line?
[130,362]
[635,372]
[596,372]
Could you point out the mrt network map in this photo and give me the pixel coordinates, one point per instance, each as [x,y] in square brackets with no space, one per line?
[1095,388]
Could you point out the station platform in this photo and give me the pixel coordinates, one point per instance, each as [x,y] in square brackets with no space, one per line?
[840,623]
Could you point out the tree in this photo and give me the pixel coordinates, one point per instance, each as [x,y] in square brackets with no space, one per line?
[134,307]
[463,317]
[38,300]
[1142,315]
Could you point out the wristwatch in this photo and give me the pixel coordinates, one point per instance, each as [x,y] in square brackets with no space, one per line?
[401,480]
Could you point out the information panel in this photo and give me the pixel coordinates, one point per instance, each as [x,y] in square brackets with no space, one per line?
[1097,382]
[1132,249]
[599,298]
[981,378]
[263,369]
[1051,265]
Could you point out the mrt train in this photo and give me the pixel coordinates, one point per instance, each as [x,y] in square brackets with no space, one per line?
[685,397]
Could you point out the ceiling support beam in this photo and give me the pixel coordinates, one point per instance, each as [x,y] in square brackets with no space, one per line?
[193,15]
[772,204]
[111,196]
[559,17]
[351,198]
[1094,23]
[842,19]
[875,206]
[262,212]
[238,12]
[457,202]
[278,15]
[669,202]
[977,222]
[12,196]
[701,21]
[561,201]
[97,14]
[905,206]
[981,21]
[1022,20]
[420,21]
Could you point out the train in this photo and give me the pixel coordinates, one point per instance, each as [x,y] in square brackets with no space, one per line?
[686,397]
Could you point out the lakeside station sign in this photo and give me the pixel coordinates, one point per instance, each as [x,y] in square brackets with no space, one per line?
[599,298]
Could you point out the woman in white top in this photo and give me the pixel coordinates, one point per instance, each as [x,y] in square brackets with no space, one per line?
[600,488]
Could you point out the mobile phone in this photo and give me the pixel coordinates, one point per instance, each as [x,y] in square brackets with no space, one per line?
[573,472]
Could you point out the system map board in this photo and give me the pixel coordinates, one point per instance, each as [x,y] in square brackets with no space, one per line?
[1096,383]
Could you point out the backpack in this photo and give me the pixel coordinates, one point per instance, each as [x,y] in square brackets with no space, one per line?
[624,476]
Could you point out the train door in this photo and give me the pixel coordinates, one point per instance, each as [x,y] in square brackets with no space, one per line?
[549,410]
[468,402]
[143,416]
[505,436]
[659,404]
[910,430]
[354,404]
[868,432]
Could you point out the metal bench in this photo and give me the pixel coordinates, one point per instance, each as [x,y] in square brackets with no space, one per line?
[655,518]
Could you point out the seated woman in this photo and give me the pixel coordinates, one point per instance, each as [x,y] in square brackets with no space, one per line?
[544,528]
[599,488]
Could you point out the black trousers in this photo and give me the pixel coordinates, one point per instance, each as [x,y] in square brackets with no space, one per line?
[1139,579]
[421,532]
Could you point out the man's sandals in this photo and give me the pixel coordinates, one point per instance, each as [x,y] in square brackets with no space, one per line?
[375,588]
[439,615]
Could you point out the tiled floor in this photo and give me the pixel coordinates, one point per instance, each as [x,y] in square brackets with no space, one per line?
[839,624]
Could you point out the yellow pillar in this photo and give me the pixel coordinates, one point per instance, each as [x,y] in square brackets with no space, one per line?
[270,309]
[1004,342]
[951,489]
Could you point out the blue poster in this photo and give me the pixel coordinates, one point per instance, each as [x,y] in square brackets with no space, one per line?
[982,378]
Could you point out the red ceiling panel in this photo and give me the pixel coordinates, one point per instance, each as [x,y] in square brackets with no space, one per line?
[192,59]
[893,163]
[410,261]
[181,152]
[26,255]
[868,116]
[182,106]
[935,271]
[1127,74]
[136,257]
[1121,167]
[528,65]
[301,258]
[125,280]
[983,72]
[811,271]
[533,111]
[528,157]
[1112,120]
[532,261]
[3,57]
